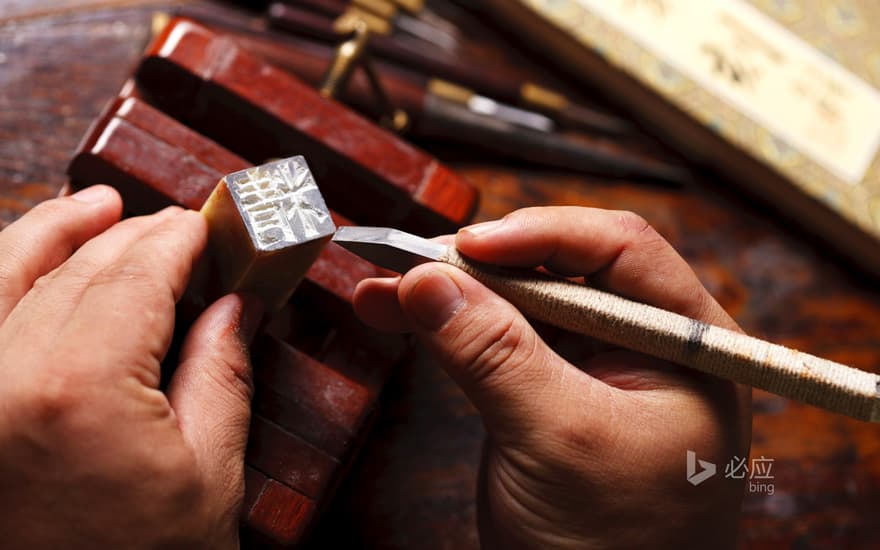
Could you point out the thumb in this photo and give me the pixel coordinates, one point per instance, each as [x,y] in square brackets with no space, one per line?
[211,390]
[488,347]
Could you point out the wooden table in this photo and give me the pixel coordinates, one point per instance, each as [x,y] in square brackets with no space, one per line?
[60,61]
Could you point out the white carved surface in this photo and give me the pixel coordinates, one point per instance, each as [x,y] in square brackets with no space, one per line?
[280,204]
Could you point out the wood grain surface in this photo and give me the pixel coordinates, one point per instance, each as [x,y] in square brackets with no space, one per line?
[414,483]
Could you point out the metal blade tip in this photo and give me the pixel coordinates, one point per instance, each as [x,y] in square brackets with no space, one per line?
[389,248]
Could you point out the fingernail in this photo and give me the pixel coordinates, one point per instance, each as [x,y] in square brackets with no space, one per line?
[92,195]
[434,300]
[482,229]
[251,317]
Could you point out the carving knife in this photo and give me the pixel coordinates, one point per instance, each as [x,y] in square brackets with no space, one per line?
[502,85]
[639,327]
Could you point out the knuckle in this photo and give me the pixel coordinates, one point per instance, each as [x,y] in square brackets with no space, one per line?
[80,271]
[651,237]
[9,282]
[232,375]
[698,304]
[51,209]
[502,350]
[131,274]
[638,233]
[14,266]
[634,224]
[7,272]
[54,396]
[42,283]
[530,217]
[172,210]
[522,213]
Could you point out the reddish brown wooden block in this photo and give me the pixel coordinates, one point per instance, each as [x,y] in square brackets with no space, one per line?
[310,417]
[315,398]
[321,327]
[259,111]
[287,458]
[155,161]
[131,136]
[156,174]
[143,116]
[276,511]
[254,485]
[298,376]
[290,414]
[304,396]
[368,366]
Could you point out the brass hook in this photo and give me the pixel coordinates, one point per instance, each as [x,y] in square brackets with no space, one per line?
[350,55]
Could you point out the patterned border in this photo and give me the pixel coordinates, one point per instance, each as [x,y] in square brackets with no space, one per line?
[859,204]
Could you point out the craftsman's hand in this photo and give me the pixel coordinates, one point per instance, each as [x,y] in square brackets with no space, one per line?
[92,453]
[592,456]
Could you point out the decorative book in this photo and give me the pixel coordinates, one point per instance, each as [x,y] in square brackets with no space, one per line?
[781,95]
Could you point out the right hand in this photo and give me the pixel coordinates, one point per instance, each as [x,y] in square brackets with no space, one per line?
[586,456]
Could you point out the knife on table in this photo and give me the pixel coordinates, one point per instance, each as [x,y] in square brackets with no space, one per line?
[639,327]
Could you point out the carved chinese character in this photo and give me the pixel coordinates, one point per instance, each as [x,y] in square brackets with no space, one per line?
[267,225]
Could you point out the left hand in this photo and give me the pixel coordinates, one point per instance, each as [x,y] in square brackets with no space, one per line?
[92,453]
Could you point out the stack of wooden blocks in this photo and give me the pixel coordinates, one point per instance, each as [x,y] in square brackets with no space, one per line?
[169,137]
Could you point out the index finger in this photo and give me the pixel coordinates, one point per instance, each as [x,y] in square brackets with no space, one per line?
[129,305]
[46,236]
[616,250]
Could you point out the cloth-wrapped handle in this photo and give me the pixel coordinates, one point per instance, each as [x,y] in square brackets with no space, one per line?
[659,333]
